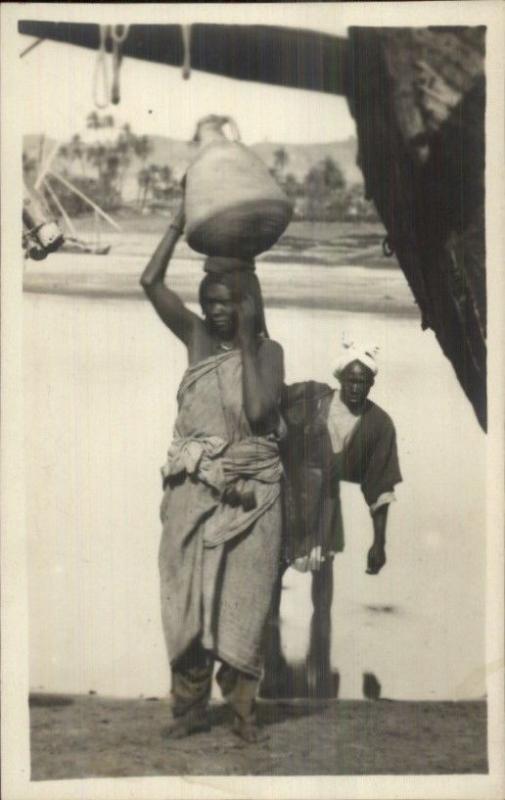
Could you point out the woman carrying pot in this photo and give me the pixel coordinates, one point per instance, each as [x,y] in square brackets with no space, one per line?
[221,509]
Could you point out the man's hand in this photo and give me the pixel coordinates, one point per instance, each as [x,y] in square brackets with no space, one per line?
[312,562]
[377,553]
[246,315]
[376,558]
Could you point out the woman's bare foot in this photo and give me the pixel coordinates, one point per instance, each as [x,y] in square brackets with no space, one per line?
[194,721]
[249,731]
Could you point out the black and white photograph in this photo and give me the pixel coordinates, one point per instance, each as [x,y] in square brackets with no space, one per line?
[252,400]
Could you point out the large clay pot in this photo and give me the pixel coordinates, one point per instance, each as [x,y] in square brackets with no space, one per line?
[233,206]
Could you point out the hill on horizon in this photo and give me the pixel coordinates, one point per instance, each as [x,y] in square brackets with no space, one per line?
[300,157]
[178,155]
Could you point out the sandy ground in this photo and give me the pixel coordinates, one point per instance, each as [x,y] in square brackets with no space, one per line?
[81,737]
[315,265]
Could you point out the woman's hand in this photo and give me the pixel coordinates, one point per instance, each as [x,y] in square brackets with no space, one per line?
[245,317]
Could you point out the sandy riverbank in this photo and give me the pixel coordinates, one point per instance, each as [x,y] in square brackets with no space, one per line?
[326,243]
[333,266]
[343,288]
[79,737]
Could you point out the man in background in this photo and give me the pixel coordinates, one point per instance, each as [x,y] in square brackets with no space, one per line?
[333,435]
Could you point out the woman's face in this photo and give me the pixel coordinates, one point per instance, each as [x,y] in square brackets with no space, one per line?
[220,310]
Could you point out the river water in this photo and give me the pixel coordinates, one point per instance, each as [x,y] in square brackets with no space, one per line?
[100,379]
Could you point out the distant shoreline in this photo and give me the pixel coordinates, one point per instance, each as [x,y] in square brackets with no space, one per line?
[327,266]
[334,244]
[297,285]
[371,306]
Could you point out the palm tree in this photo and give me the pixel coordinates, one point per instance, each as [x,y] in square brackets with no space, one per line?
[28,162]
[281,160]
[95,154]
[142,148]
[106,162]
[123,150]
[77,151]
[166,174]
[29,168]
[291,186]
[127,135]
[93,120]
[332,174]
[143,180]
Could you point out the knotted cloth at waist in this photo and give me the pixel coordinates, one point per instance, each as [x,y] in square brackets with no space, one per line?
[244,476]
[213,461]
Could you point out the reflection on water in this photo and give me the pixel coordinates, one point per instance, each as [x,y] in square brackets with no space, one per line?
[100,381]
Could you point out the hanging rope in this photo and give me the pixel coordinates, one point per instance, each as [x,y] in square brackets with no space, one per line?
[31,47]
[117,35]
[100,71]
[186,44]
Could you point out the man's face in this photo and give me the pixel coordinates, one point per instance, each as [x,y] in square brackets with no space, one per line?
[356,381]
[220,310]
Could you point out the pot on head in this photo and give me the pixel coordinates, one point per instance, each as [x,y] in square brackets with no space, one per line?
[233,206]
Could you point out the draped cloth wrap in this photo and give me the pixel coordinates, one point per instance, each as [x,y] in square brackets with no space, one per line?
[367,455]
[219,550]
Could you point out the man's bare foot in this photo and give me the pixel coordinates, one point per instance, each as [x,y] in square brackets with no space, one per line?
[196,721]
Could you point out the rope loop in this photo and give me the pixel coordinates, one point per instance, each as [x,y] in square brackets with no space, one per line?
[387,247]
[117,35]
[100,71]
[186,44]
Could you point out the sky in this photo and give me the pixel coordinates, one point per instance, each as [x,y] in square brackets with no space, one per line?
[57,83]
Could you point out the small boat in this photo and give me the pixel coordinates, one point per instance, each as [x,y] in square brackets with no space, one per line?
[74,245]
[41,232]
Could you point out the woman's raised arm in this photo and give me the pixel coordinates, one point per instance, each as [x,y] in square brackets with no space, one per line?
[168,304]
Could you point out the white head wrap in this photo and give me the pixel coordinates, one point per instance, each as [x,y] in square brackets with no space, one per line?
[353,351]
